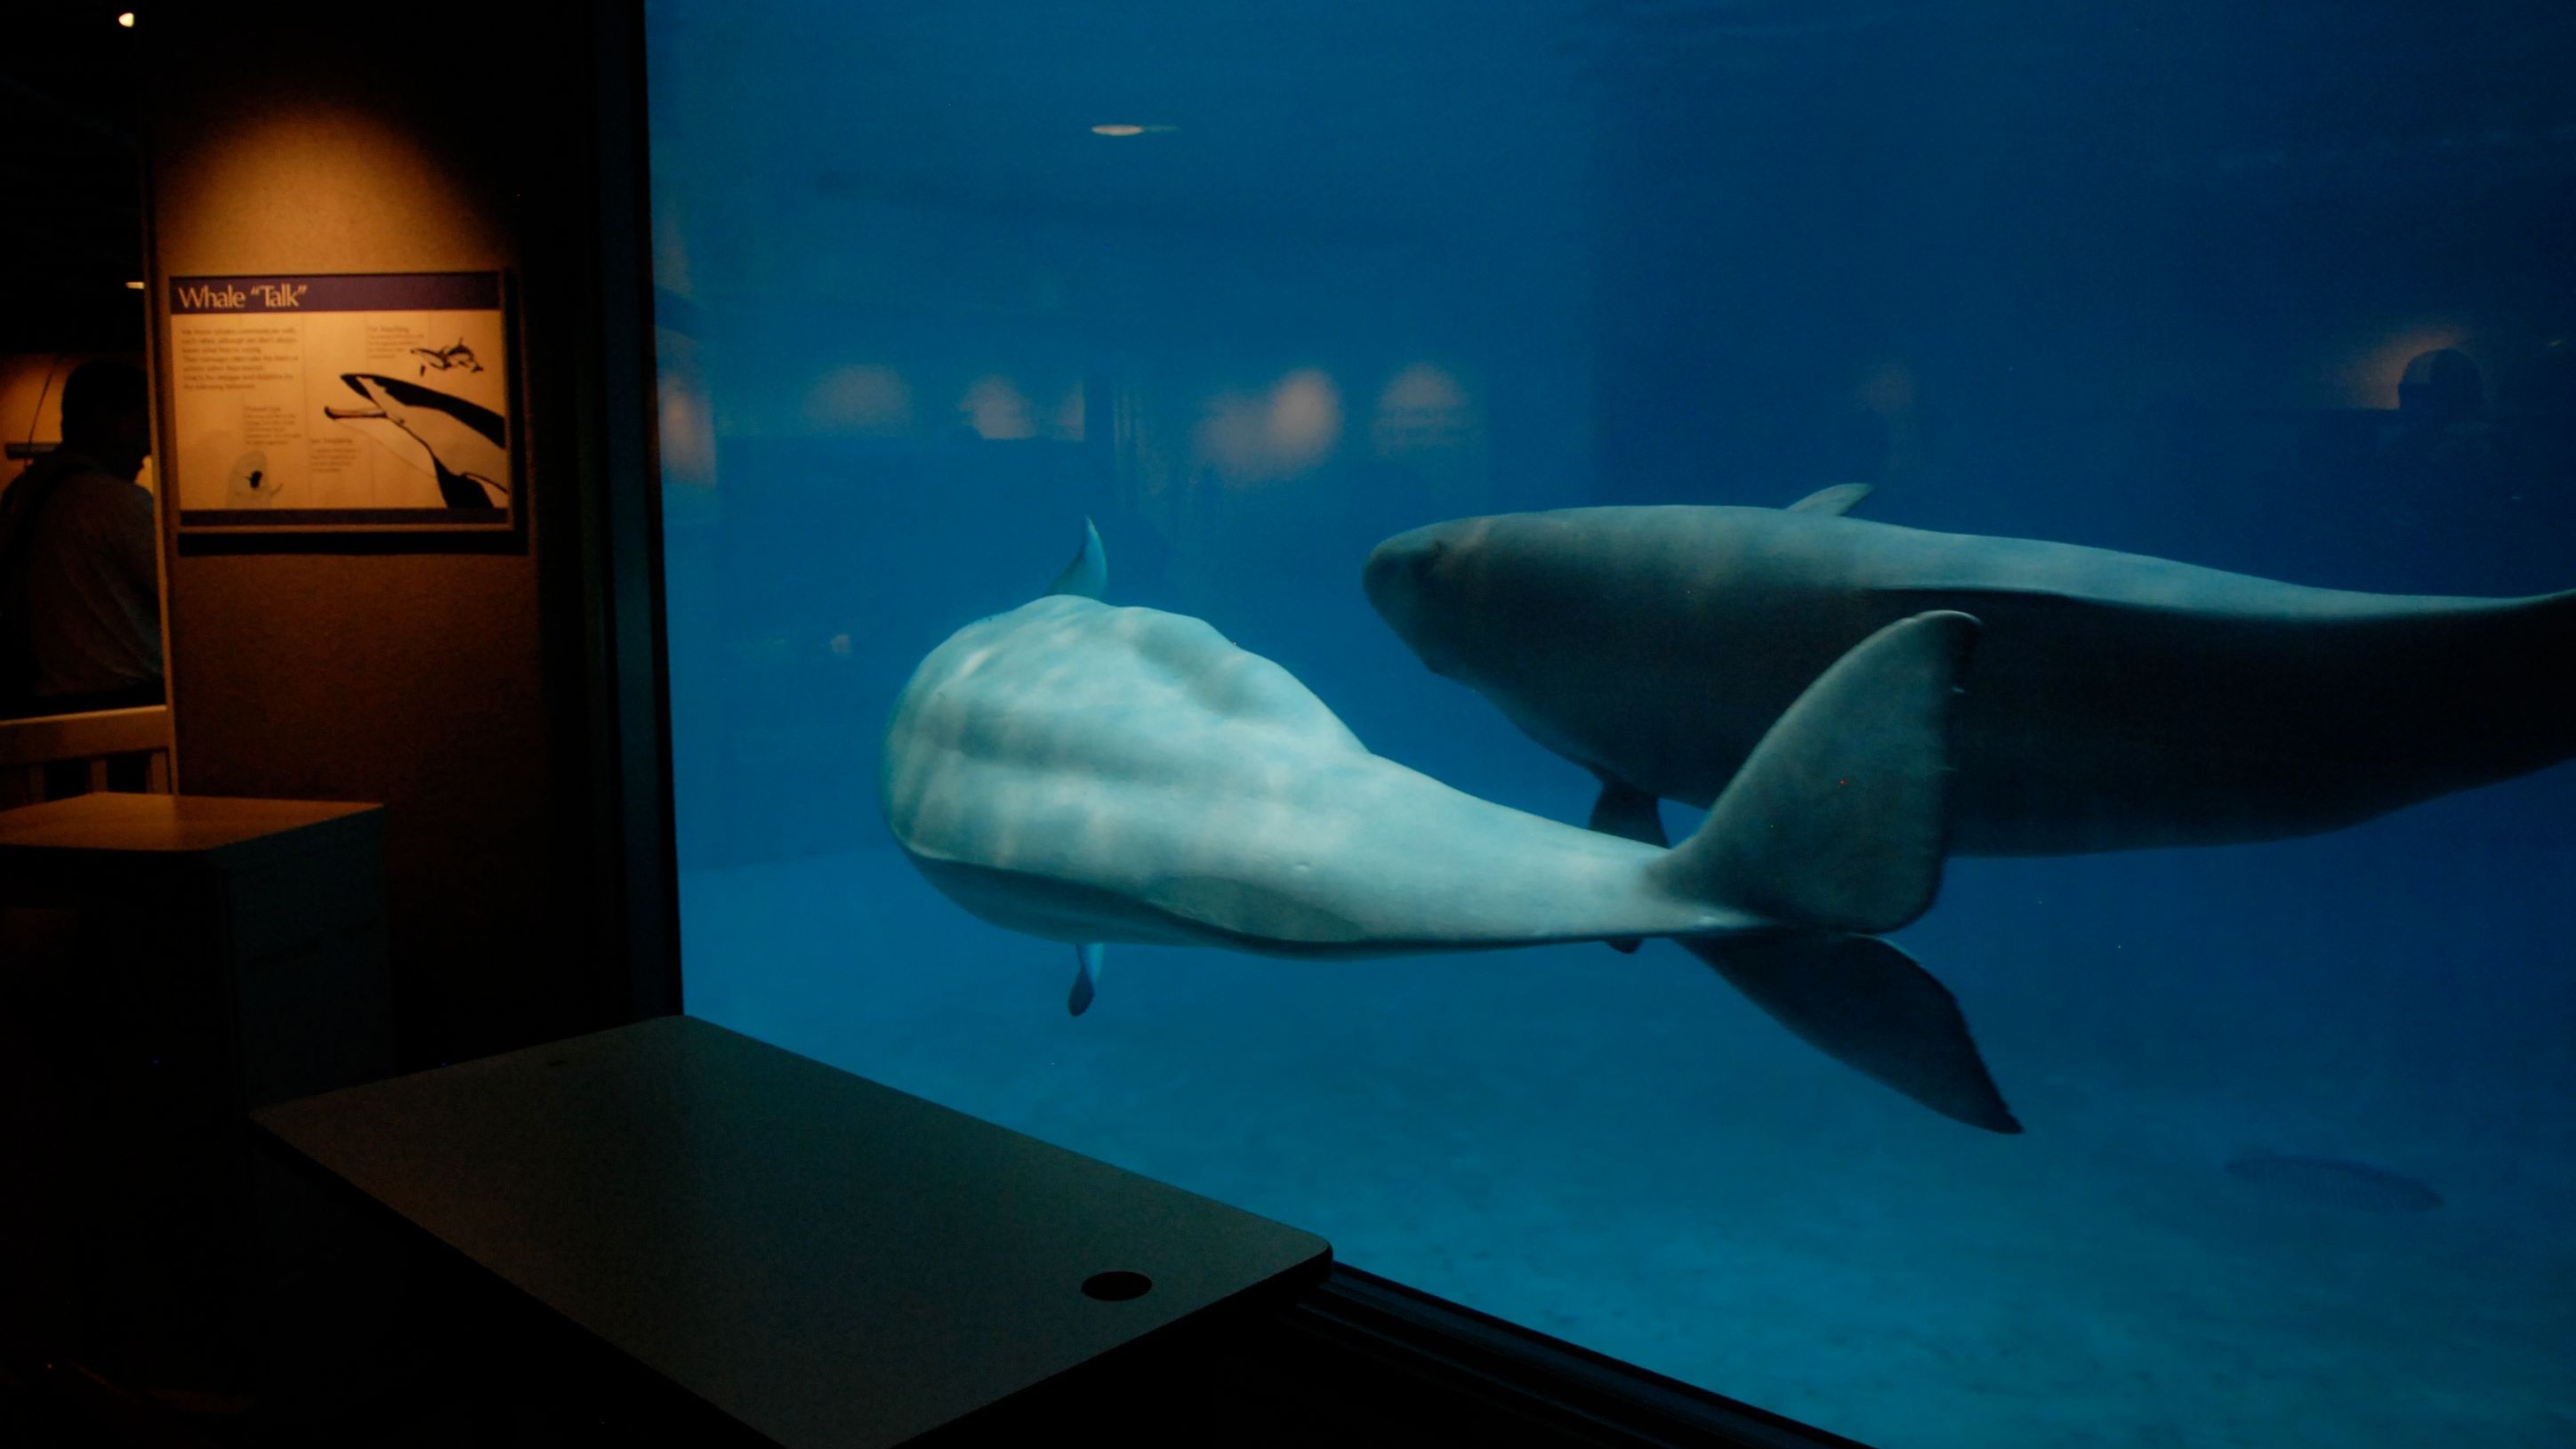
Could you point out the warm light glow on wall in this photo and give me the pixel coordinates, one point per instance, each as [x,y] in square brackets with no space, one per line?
[1305,418]
[1422,387]
[996,408]
[1423,409]
[1248,439]
[688,437]
[2370,380]
[301,175]
[126,19]
[863,398]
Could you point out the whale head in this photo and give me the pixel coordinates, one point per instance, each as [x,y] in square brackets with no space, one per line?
[1419,580]
[1485,601]
[1496,605]
[1593,630]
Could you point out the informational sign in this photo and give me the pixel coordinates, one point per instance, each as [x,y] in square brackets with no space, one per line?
[341,402]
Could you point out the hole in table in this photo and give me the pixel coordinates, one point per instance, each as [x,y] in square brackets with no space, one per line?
[1116,1286]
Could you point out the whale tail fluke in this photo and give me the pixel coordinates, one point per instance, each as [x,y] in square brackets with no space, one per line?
[1840,816]
[1866,1004]
[1835,828]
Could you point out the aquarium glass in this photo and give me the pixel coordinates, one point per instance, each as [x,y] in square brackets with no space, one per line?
[2282,290]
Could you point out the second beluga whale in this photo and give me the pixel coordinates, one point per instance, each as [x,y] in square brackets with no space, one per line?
[1092,774]
[2121,701]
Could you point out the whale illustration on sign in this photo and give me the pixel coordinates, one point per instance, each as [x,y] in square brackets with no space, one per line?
[465,444]
[459,356]
[1091,774]
[2121,702]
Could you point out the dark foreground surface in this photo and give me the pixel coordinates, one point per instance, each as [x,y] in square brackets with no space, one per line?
[423,1350]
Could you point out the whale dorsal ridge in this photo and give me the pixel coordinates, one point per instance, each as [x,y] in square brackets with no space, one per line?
[1088,575]
[1832,502]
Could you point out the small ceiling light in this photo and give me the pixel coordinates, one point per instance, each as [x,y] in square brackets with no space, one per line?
[134,286]
[1122,128]
[125,18]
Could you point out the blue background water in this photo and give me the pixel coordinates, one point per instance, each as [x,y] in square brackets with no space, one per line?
[2140,275]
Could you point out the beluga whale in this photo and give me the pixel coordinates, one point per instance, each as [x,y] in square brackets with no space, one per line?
[1092,774]
[2121,701]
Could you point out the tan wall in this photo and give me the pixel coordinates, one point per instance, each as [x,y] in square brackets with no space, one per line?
[344,140]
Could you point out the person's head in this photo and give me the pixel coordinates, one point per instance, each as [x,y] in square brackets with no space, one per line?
[106,416]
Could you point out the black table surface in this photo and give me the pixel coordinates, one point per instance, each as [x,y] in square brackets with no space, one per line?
[825,1260]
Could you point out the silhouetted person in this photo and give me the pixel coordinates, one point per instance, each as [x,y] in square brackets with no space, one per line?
[80,594]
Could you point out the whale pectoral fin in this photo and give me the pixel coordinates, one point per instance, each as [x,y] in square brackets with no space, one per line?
[1086,976]
[1629,813]
[1088,575]
[1832,502]
[1867,1005]
[1838,819]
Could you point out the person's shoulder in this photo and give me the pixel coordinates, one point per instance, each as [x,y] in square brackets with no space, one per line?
[91,482]
[92,493]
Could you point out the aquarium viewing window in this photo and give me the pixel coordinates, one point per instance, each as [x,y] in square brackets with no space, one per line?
[1863,704]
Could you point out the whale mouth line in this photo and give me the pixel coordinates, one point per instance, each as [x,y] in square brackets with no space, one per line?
[345,414]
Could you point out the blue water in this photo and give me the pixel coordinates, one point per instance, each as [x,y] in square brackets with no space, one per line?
[2137,275]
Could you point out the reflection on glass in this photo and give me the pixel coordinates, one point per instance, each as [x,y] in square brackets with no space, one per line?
[2220,380]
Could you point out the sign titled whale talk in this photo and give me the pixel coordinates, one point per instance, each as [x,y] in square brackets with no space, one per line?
[341,402]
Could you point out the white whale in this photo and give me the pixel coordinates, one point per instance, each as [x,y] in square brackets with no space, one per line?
[1089,774]
[2121,702]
